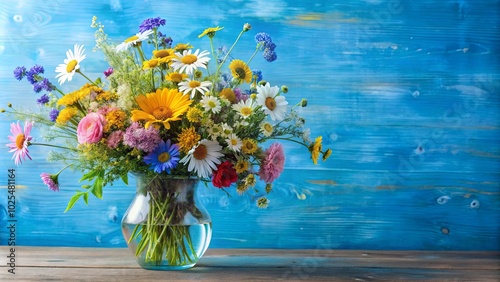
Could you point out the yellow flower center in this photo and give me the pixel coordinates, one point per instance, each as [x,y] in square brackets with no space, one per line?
[162,113]
[20,141]
[212,104]
[234,142]
[241,73]
[270,103]
[152,63]
[200,153]
[161,53]
[228,94]
[132,38]
[189,59]
[194,83]
[176,77]
[163,157]
[71,66]
[246,111]
[268,127]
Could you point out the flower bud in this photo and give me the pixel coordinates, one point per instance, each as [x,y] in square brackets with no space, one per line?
[284,89]
[247,27]
[2,111]
[262,82]
[9,105]
[303,102]
[253,96]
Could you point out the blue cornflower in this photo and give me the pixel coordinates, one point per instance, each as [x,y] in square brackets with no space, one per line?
[266,43]
[37,87]
[151,23]
[270,55]
[44,99]
[47,86]
[164,157]
[33,73]
[164,41]
[20,72]
[53,114]
[257,74]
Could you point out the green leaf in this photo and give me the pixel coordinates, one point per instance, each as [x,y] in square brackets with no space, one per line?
[98,81]
[97,187]
[86,198]
[86,186]
[124,178]
[73,200]
[90,175]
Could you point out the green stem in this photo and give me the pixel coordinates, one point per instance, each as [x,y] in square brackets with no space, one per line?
[78,71]
[253,55]
[54,146]
[229,52]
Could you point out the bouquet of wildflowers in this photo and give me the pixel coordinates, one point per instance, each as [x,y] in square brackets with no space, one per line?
[164,109]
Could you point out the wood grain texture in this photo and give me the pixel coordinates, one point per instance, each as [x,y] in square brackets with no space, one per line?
[100,264]
[406,93]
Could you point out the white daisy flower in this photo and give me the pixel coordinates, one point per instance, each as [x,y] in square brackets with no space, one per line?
[234,142]
[210,104]
[203,158]
[189,62]
[245,108]
[214,130]
[241,123]
[226,129]
[71,64]
[266,128]
[273,105]
[138,37]
[192,86]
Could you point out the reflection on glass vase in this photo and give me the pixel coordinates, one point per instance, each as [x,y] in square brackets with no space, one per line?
[165,226]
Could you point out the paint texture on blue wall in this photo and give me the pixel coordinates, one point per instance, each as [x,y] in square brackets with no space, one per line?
[406,93]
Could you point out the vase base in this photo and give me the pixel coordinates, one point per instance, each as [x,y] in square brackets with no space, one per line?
[153,266]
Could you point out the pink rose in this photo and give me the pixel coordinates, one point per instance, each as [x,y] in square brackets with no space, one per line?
[90,128]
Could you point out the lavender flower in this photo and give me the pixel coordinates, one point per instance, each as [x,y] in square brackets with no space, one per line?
[140,138]
[151,23]
[44,99]
[114,139]
[53,115]
[51,180]
[20,72]
[108,72]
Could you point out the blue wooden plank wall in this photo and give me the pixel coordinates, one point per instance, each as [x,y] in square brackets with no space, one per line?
[406,93]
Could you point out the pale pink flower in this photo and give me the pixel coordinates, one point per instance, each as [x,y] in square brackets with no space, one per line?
[20,141]
[273,164]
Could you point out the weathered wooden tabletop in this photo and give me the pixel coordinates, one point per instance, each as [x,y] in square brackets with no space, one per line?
[117,264]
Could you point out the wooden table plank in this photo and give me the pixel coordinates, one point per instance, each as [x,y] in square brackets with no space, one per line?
[103,264]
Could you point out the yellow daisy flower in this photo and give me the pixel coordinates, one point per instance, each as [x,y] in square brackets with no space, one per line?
[228,93]
[241,166]
[240,70]
[176,77]
[194,114]
[188,139]
[163,106]
[182,47]
[210,32]
[150,64]
[315,149]
[65,115]
[249,146]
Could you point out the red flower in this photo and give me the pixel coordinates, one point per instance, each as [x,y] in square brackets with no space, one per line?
[224,175]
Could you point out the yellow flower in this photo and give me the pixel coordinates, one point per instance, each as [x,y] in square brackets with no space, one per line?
[241,166]
[240,70]
[316,149]
[228,93]
[210,32]
[176,77]
[65,115]
[182,47]
[106,96]
[187,139]
[194,115]
[115,120]
[241,188]
[75,96]
[249,146]
[327,154]
[250,180]
[163,106]
[151,64]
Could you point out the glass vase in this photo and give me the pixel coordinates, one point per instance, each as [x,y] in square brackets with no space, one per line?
[165,227]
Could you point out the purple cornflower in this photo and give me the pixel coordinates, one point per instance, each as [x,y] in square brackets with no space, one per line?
[141,138]
[53,115]
[44,99]
[37,87]
[164,41]
[20,72]
[108,72]
[51,180]
[47,86]
[151,23]
[33,73]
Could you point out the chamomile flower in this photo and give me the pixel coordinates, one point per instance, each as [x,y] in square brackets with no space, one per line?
[71,64]
[273,104]
[234,142]
[210,104]
[266,129]
[245,108]
[203,158]
[133,40]
[191,85]
[188,62]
